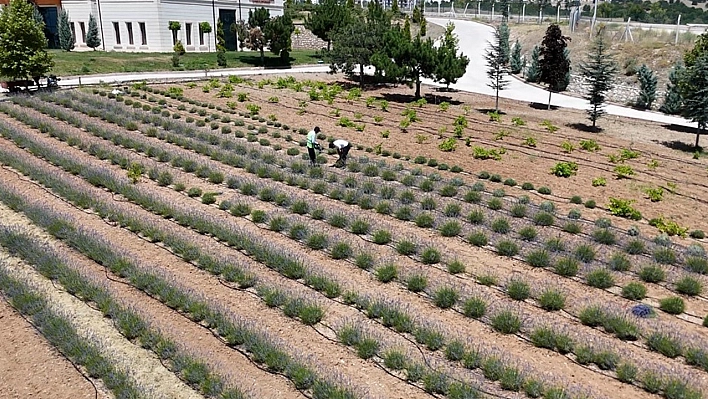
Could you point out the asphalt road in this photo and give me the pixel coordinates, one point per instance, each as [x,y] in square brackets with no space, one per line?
[473,42]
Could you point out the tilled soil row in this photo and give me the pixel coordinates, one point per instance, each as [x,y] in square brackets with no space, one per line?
[378,288]
[31,367]
[301,339]
[146,371]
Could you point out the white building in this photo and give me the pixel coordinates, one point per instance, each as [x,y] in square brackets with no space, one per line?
[143,25]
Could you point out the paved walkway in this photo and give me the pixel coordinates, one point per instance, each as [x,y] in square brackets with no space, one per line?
[473,42]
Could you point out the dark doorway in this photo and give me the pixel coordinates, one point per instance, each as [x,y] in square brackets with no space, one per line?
[49,14]
[228,17]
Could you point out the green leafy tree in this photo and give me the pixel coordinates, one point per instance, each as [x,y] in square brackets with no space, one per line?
[672,98]
[205,27]
[699,49]
[497,69]
[533,74]
[278,33]
[23,46]
[505,47]
[93,38]
[599,72]
[553,63]
[220,45]
[326,17]
[423,26]
[417,14]
[695,94]
[449,66]
[66,38]
[647,87]
[394,8]
[515,62]
[257,20]
[174,27]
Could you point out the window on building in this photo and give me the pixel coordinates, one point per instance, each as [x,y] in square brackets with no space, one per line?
[143,33]
[188,31]
[82,25]
[129,27]
[73,32]
[201,37]
[116,28]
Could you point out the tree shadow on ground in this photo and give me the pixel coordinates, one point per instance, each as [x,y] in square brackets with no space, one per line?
[431,98]
[271,62]
[680,128]
[543,107]
[679,145]
[584,127]
[486,111]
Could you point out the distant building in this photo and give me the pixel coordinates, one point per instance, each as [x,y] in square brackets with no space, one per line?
[142,25]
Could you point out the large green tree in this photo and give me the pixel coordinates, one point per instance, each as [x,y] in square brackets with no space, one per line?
[66,37]
[599,72]
[450,65]
[23,46]
[504,37]
[326,17]
[257,20]
[695,94]
[699,49]
[497,68]
[278,33]
[553,63]
[93,38]
[672,98]
[533,74]
[515,62]
[647,87]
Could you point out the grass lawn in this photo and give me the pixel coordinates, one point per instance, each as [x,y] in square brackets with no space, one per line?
[98,62]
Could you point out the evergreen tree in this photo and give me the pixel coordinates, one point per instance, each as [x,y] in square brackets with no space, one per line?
[38,17]
[450,66]
[505,47]
[599,72]
[699,49]
[220,45]
[423,26]
[325,18]
[695,94]
[672,98]
[533,74]
[240,30]
[18,25]
[93,38]
[647,87]
[278,33]
[553,62]
[417,15]
[515,63]
[66,38]
[563,84]
[504,7]
[257,20]
[497,69]
[394,7]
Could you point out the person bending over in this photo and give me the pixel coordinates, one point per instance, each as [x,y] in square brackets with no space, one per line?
[343,147]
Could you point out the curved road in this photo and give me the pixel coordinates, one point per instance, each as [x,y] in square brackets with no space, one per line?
[473,42]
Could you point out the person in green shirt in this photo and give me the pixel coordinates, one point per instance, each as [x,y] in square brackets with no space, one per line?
[312,144]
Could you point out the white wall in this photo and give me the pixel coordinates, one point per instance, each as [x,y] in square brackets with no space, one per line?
[156,15]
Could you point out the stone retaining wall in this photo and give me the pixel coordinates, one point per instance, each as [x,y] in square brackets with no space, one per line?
[304,39]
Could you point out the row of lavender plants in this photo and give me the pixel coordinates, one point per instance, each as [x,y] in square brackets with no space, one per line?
[53,265]
[604,232]
[537,257]
[423,333]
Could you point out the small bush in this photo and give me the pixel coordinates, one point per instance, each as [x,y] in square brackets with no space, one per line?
[600,278]
[476,216]
[386,273]
[506,322]
[688,285]
[474,308]
[543,219]
[634,291]
[604,236]
[590,204]
[507,248]
[665,256]
[501,226]
[544,190]
[652,274]
[572,228]
[495,204]
[445,297]
[430,256]
[538,258]
[618,262]
[528,233]
[672,305]
[576,199]
[424,220]
[527,186]
[341,250]
[635,247]
[584,253]
[566,267]
[416,283]
[478,239]
[518,210]
[406,248]
[551,300]
[518,290]
[664,344]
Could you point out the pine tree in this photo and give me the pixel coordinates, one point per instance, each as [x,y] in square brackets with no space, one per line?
[533,74]
[325,18]
[394,7]
[18,25]
[515,62]
[66,38]
[417,14]
[278,32]
[93,39]
[563,84]
[695,94]
[423,26]
[220,45]
[600,72]
[553,63]
[504,37]
[497,69]
[450,66]
[38,17]
[672,99]
[647,87]
[257,20]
